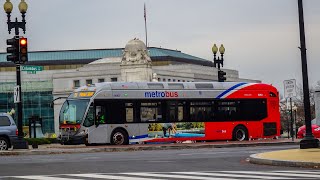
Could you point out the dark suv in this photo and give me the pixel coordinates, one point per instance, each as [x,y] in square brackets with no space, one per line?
[8,131]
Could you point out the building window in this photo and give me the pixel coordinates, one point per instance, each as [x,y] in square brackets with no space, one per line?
[100,80]
[174,80]
[159,79]
[76,83]
[178,80]
[164,80]
[114,79]
[169,80]
[89,81]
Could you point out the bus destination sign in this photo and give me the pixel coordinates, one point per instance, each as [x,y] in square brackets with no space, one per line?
[83,94]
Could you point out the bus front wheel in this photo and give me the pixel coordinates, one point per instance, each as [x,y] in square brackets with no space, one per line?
[240,133]
[119,137]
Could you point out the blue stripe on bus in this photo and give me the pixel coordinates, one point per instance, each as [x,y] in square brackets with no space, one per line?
[230,89]
[139,137]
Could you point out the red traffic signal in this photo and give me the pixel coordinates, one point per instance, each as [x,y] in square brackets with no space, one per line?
[23,47]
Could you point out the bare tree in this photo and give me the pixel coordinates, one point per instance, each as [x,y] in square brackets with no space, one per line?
[299,113]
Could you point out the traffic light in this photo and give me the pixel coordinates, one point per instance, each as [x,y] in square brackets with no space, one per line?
[23,47]
[221,76]
[13,49]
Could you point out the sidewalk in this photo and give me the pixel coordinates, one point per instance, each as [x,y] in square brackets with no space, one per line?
[307,158]
[68,149]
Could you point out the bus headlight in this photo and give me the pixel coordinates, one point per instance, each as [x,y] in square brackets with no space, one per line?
[82,133]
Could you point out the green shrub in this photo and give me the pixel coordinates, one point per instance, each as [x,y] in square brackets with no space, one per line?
[40,141]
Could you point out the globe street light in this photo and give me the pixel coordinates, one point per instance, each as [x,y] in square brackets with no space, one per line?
[23,7]
[217,62]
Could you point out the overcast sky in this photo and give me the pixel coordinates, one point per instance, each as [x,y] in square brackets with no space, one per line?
[261,37]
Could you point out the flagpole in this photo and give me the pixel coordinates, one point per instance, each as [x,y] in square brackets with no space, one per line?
[145,24]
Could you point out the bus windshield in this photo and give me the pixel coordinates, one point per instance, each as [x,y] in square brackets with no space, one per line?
[72,111]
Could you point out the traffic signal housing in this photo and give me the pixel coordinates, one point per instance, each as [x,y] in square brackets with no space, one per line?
[23,50]
[13,49]
[221,76]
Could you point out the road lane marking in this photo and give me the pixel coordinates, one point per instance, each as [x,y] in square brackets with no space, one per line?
[88,158]
[42,177]
[291,174]
[176,176]
[228,175]
[105,176]
[196,175]
[300,172]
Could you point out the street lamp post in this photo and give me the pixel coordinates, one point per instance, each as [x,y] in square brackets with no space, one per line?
[217,62]
[21,143]
[308,141]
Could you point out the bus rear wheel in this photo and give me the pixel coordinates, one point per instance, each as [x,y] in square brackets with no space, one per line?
[119,137]
[240,133]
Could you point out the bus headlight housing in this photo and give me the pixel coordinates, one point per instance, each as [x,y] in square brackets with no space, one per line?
[82,133]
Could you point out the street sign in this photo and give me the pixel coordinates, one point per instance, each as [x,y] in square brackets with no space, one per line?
[16,93]
[290,88]
[32,69]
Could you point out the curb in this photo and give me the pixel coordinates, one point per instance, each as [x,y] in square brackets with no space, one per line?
[255,159]
[137,148]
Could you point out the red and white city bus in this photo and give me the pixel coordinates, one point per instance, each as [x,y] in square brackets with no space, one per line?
[143,112]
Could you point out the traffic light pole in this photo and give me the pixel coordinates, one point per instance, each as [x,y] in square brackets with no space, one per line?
[19,104]
[20,143]
[15,57]
[308,141]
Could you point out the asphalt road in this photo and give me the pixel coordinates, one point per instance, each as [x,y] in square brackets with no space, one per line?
[167,161]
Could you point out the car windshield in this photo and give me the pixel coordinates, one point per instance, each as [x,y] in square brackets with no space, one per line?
[72,111]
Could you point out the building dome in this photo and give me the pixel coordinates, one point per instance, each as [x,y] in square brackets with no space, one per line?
[135,45]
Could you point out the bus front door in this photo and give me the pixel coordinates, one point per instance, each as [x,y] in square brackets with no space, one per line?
[97,132]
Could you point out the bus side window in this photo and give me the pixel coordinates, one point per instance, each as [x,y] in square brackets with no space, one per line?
[150,111]
[89,120]
[100,114]
[129,112]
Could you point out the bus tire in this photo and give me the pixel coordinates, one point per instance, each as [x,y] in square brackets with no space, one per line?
[240,133]
[119,137]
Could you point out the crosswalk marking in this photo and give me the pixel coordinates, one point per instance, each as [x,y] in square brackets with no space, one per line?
[176,176]
[231,175]
[300,172]
[275,174]
[103,176]
[42,177]
[200,175]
